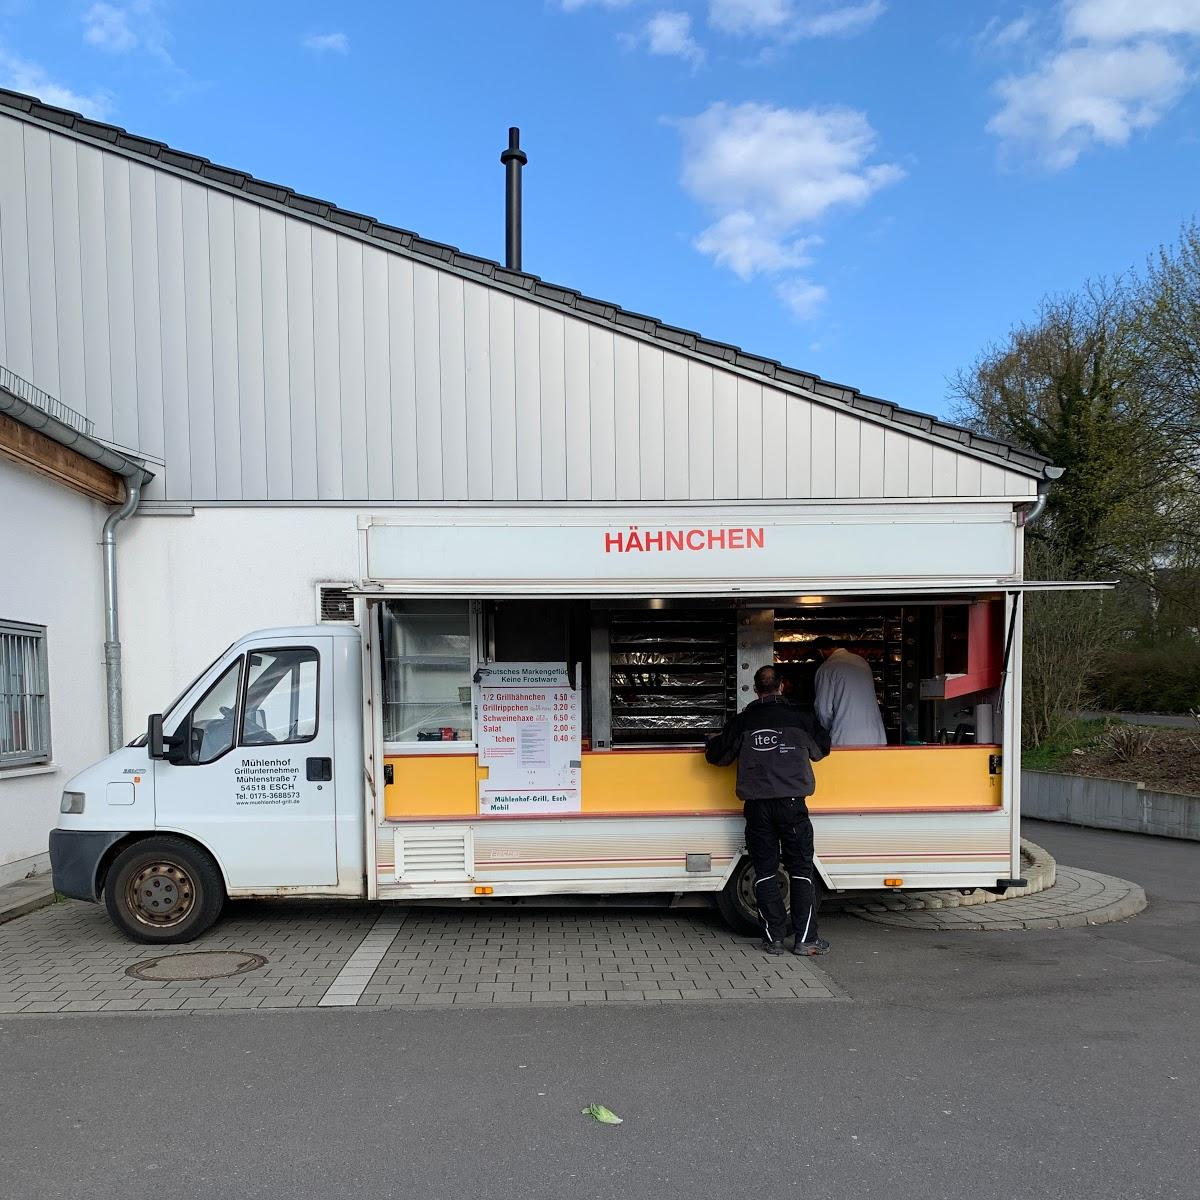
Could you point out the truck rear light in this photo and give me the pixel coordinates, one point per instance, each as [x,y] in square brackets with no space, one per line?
[483,891]
[72,802]
[893,883]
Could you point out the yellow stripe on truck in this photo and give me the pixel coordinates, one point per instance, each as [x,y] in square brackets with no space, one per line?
[666,782]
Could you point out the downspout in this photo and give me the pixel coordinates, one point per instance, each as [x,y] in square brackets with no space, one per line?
[112,633]
[1034,511]
[1012,776]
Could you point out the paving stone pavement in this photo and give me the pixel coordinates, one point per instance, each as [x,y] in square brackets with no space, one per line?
[477,957]
[1077,898]
[68,958]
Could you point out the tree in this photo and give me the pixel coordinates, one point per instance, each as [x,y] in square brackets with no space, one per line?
[1067,386]
[1106,384]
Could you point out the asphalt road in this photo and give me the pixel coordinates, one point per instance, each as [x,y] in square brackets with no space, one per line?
[1160,720]
[1057,1063]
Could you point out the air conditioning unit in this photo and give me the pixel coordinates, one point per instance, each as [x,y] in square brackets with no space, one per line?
[334,603]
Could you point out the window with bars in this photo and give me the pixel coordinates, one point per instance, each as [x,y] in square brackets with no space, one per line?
[24,695]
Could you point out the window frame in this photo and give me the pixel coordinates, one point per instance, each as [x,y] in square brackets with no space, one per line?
[186,720]
[38,634]
[476,657]
[245,688]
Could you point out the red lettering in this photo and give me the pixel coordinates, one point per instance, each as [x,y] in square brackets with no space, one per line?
[613,541]
[654,541]
[735,539]
[695,539]
[754,539]
[716,539]
[634,541]
[674,539]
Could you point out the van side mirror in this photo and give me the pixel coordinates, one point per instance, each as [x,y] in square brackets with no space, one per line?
[173,749]
[154,736]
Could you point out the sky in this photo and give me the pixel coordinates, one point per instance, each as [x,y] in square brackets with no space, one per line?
[870,190]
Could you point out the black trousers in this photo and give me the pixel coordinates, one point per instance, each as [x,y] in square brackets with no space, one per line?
[775,829]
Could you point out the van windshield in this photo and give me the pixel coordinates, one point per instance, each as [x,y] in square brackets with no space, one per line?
[140,740]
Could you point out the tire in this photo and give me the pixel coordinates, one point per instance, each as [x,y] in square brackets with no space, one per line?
[163,891]
[736,903]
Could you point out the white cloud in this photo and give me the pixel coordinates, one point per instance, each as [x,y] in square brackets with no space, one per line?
[787,166]
[20,75]
[768,174]
[1127,20]
[1086,95]
[123,28]
[749,16]
[670,34]
[840,22]
[331,43]
[109,27]
[748,246]
[1115,67]
[789,20]
[1001,35]
[804,298]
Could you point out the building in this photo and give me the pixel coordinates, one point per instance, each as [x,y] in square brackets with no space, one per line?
[277,367]
[57,486]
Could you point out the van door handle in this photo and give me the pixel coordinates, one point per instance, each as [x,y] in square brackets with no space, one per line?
[319,770]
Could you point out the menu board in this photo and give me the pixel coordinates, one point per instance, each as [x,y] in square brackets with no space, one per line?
[529,739]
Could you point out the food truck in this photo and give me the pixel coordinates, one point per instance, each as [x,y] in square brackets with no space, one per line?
[519,711]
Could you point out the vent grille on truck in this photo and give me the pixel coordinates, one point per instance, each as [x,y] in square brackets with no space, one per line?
[434,854]
[335,604]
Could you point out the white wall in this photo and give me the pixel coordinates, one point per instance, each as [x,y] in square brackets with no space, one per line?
[50,574]
[266,356]
[191,585]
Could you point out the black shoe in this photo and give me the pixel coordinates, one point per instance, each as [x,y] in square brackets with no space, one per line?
[809,949]
[770,947]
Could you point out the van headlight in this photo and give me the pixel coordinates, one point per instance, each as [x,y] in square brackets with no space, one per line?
[72,802]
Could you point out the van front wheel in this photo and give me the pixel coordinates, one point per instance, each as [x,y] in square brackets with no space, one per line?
[163,890]
[736,903]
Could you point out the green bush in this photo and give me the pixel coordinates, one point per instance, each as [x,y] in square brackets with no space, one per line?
[1161,678]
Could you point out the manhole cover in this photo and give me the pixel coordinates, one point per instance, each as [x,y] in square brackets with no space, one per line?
[197,964]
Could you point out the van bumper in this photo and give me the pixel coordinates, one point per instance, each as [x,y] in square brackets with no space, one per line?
[75,856]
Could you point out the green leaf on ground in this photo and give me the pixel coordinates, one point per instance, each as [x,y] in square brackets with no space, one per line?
[604,1115]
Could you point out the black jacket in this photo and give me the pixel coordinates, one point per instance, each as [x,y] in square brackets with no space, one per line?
[775,744]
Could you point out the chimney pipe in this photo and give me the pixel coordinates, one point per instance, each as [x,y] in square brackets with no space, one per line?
[514,158]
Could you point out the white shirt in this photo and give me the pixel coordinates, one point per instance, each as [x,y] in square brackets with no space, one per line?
[846,703]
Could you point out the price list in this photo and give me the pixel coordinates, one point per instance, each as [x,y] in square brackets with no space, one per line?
[529,739]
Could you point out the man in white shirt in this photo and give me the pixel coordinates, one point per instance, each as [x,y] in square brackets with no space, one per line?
[846,703]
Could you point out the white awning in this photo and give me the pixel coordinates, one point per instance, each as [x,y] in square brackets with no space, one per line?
[766,593]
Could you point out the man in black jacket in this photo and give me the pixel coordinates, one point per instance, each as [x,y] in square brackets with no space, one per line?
[775,744]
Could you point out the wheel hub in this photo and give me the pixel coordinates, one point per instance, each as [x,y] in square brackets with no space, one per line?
[746,889]
[161,894]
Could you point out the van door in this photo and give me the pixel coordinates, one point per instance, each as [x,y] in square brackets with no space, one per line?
[251,775]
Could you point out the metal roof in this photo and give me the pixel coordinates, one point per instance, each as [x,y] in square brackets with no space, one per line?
[532,287]
[31,407]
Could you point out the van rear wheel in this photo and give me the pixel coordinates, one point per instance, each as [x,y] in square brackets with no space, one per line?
[736,902]
[163,890]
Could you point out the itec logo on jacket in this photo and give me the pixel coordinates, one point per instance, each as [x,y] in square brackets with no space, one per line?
[765,739]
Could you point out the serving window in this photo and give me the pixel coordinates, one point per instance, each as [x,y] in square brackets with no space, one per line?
[676,670]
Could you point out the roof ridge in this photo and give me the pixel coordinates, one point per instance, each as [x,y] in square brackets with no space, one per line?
[913,422]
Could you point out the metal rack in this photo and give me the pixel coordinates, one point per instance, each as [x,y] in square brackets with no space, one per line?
[878,636]
[671,675]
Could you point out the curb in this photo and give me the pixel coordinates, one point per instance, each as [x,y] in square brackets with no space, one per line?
[1039,868]
[1111,899]
[25,896]
[1129,905]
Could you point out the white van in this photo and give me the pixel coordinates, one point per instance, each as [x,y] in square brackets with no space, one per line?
[385,761]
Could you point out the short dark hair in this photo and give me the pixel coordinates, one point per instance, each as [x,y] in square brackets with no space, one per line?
[823,643]
[766,680]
